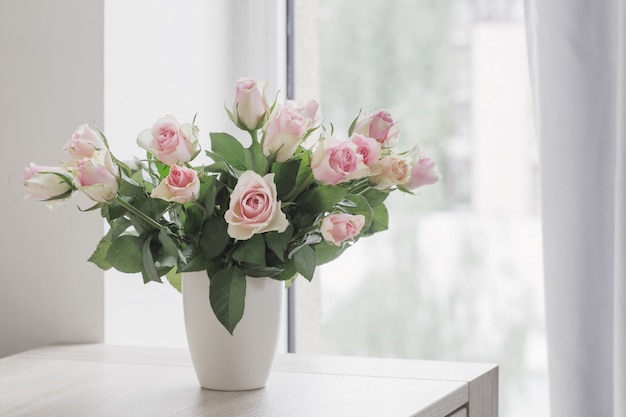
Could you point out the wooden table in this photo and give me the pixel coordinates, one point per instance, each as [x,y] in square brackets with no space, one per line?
[113,381]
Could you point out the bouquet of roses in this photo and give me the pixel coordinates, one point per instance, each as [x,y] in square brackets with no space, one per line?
[295,198]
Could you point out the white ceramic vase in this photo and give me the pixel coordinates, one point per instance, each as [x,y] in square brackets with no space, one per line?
[241,361]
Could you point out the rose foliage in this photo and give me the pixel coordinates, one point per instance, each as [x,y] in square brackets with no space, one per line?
[295,198]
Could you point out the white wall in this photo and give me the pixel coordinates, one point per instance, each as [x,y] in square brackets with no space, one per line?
[51,80]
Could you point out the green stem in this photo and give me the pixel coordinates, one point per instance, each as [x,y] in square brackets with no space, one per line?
[296,191]
[139,214]
[361,186]
[254,136]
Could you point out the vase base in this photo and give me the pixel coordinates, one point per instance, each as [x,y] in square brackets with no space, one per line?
[222,389]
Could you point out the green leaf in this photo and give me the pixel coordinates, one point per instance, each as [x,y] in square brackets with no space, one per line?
[229,150]
[288,273]
[353,124]
[152,207]
[220,166]
[197,262]
[375,197]
[214,238]
[99,255]
[380,221]
[321,198]
[227,295]
[208,192]
[137,178]
[251,251]
[169,246]
[163,169]
[327,252]
[149,270]
[192,218]
[304,177]
[230,114]
[112,210]
[277,242]
[259,271]
[361,206]
[175,279]
[305,260]
[285,175]
[118,226]
[129,189]
[306,240]
[302,221]
[125,254]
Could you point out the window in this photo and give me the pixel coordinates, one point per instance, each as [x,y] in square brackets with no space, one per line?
[458,276]
[189,68]
[149,71]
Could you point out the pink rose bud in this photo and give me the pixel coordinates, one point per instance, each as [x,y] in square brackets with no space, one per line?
[250,108]
[169,141]
[83,143]
[47,183]
[96,177]
[339,227]
[389,171]
[254,207]
[368,148]
[309,110]
[180,186]
[380,126]
[285,131]
[425,172]
[337,161]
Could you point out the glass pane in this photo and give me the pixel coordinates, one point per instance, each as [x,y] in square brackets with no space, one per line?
[458,274]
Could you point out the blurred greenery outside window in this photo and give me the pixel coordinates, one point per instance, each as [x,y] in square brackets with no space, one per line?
[458,275]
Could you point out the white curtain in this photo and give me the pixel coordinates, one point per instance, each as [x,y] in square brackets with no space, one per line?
[577,50]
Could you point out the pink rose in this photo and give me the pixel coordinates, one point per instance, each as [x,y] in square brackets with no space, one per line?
[254,207]
[180,186]
[285,131]
[338,227]
[83,143]
[337,161]
[96,177]
[424,172]
[47,183]
[368,148]
[380,126]
[389,171]
[169,141]
[250,108]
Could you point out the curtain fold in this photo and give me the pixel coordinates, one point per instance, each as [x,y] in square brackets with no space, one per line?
[576,51]
[619,366]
